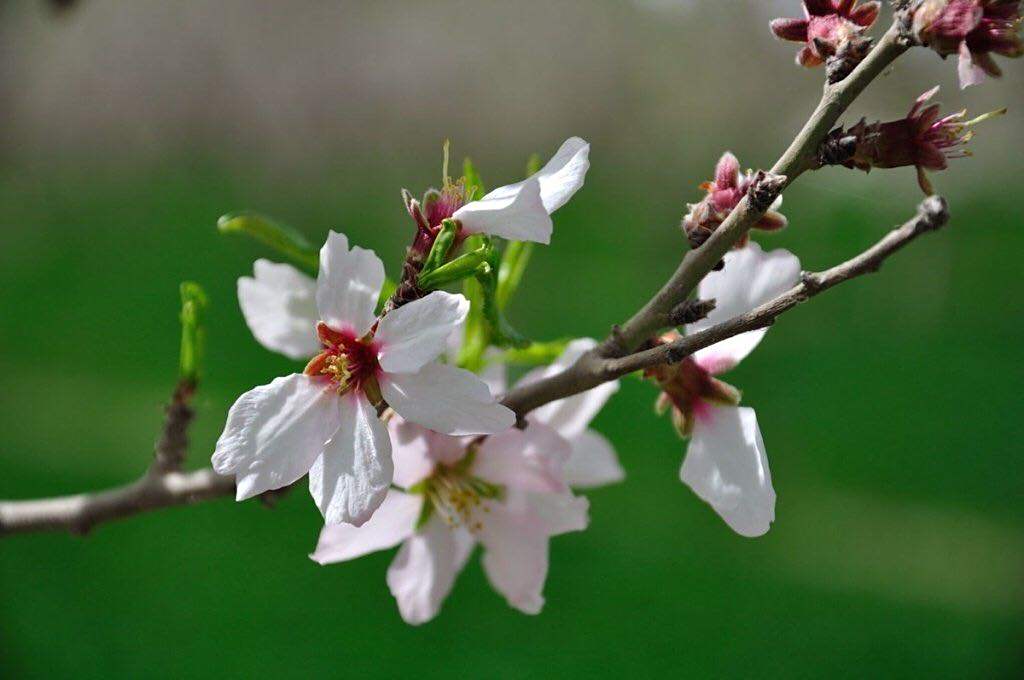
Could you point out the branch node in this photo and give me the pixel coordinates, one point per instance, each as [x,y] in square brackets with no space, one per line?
[933,213]
[765,188]
[842,63]
[690,311]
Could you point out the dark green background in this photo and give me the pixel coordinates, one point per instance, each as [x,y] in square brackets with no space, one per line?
[890,406]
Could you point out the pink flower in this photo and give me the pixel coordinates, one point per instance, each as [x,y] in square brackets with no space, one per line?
[826,26]
[324,421]
[972,29]
[725,464]
[723,194]
[922,139]
[509,493]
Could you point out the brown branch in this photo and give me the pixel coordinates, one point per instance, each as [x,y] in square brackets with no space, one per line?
[162,485]
[592,370]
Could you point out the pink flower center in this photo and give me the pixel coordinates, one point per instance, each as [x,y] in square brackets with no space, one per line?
[347,361]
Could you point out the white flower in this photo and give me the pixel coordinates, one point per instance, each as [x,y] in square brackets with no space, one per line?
[323,421]
[509,493]
[725,463]
[522,211]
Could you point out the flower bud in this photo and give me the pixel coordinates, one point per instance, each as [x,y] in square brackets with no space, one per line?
[828,27]
[972,29]
[723,194]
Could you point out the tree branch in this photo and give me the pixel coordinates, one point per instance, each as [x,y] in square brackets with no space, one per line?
[592,370]
[161,489]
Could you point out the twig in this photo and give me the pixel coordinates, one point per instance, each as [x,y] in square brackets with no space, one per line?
[592,370]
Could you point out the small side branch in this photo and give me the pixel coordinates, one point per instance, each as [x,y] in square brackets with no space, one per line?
[591,370]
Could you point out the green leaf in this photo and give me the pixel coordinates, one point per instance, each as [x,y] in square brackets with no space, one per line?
[279,237]
[510,273]
[535,354]
[387,289]
[193,331]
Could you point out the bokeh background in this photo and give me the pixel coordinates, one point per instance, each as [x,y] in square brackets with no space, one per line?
[890,407]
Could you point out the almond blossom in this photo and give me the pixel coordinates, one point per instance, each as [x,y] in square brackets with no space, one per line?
[324,420]
[520,211]
[972,29]
[922,139]
[509,492]
[726,464]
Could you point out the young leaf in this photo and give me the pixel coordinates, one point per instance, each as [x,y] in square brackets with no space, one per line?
[277,236]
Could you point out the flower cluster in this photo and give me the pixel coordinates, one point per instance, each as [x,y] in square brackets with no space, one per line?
[398,425]
[972,29]
[724,193]
[826,28]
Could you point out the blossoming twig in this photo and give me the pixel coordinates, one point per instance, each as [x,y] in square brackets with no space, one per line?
[81,512]
[592,369]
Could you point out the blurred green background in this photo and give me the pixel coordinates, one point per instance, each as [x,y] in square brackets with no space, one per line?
[890,406]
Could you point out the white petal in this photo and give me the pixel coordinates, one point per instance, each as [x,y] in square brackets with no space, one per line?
[418,332]
[571,416]
[750,278]
[424,570]
[727,467]
[528,460]
[517,215]
[410,452]
[563,175]
[560,513]
[394,521]
[446,399]
[348,285]
[351,478]
[521,211]
[279,305]
[516,556]
[593,462]
[275,432]
[970,73]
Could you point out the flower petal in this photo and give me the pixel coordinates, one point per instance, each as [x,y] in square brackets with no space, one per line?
[516,556]
[790,29]
[394,521]
[570,416]
[528,460]
[969,72]
[563,175]
[592,463]
[274,433]
[418,332]
[279,306]
[446,399]
[351,478]
[559,513]
[750,278]
[726,466]
[410,452]
[348,285]
[517,215]
[424,570]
